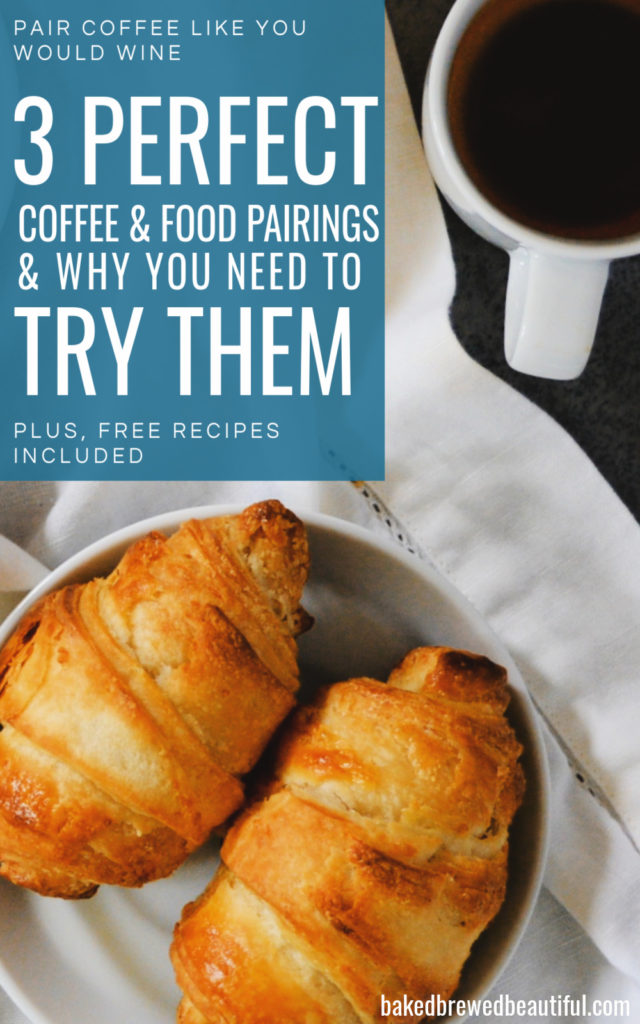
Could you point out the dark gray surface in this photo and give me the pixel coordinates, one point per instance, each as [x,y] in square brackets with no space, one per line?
[601,410]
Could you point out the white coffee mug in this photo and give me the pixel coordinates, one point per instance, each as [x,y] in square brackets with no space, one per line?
[555,287]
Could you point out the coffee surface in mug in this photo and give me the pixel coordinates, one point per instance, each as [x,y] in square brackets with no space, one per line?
[543,104]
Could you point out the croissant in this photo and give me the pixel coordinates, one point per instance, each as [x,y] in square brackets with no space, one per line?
[374,861]
[131,704]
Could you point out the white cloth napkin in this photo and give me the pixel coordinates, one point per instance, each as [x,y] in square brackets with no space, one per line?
[509,508]
[505,504]
[19,571]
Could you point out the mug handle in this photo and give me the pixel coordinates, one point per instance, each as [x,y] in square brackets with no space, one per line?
[552,309]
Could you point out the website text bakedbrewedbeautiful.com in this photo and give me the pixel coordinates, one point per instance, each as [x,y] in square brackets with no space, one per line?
[561,1006]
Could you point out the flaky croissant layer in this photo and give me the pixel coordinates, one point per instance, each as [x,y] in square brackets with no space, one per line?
[131,704]
[374,861]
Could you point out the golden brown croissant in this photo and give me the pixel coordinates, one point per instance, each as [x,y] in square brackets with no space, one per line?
[130,704]
[374,862]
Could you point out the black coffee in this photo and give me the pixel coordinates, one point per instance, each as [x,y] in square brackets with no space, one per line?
[544,105]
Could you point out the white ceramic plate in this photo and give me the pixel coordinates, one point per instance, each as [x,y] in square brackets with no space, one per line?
[106,959]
